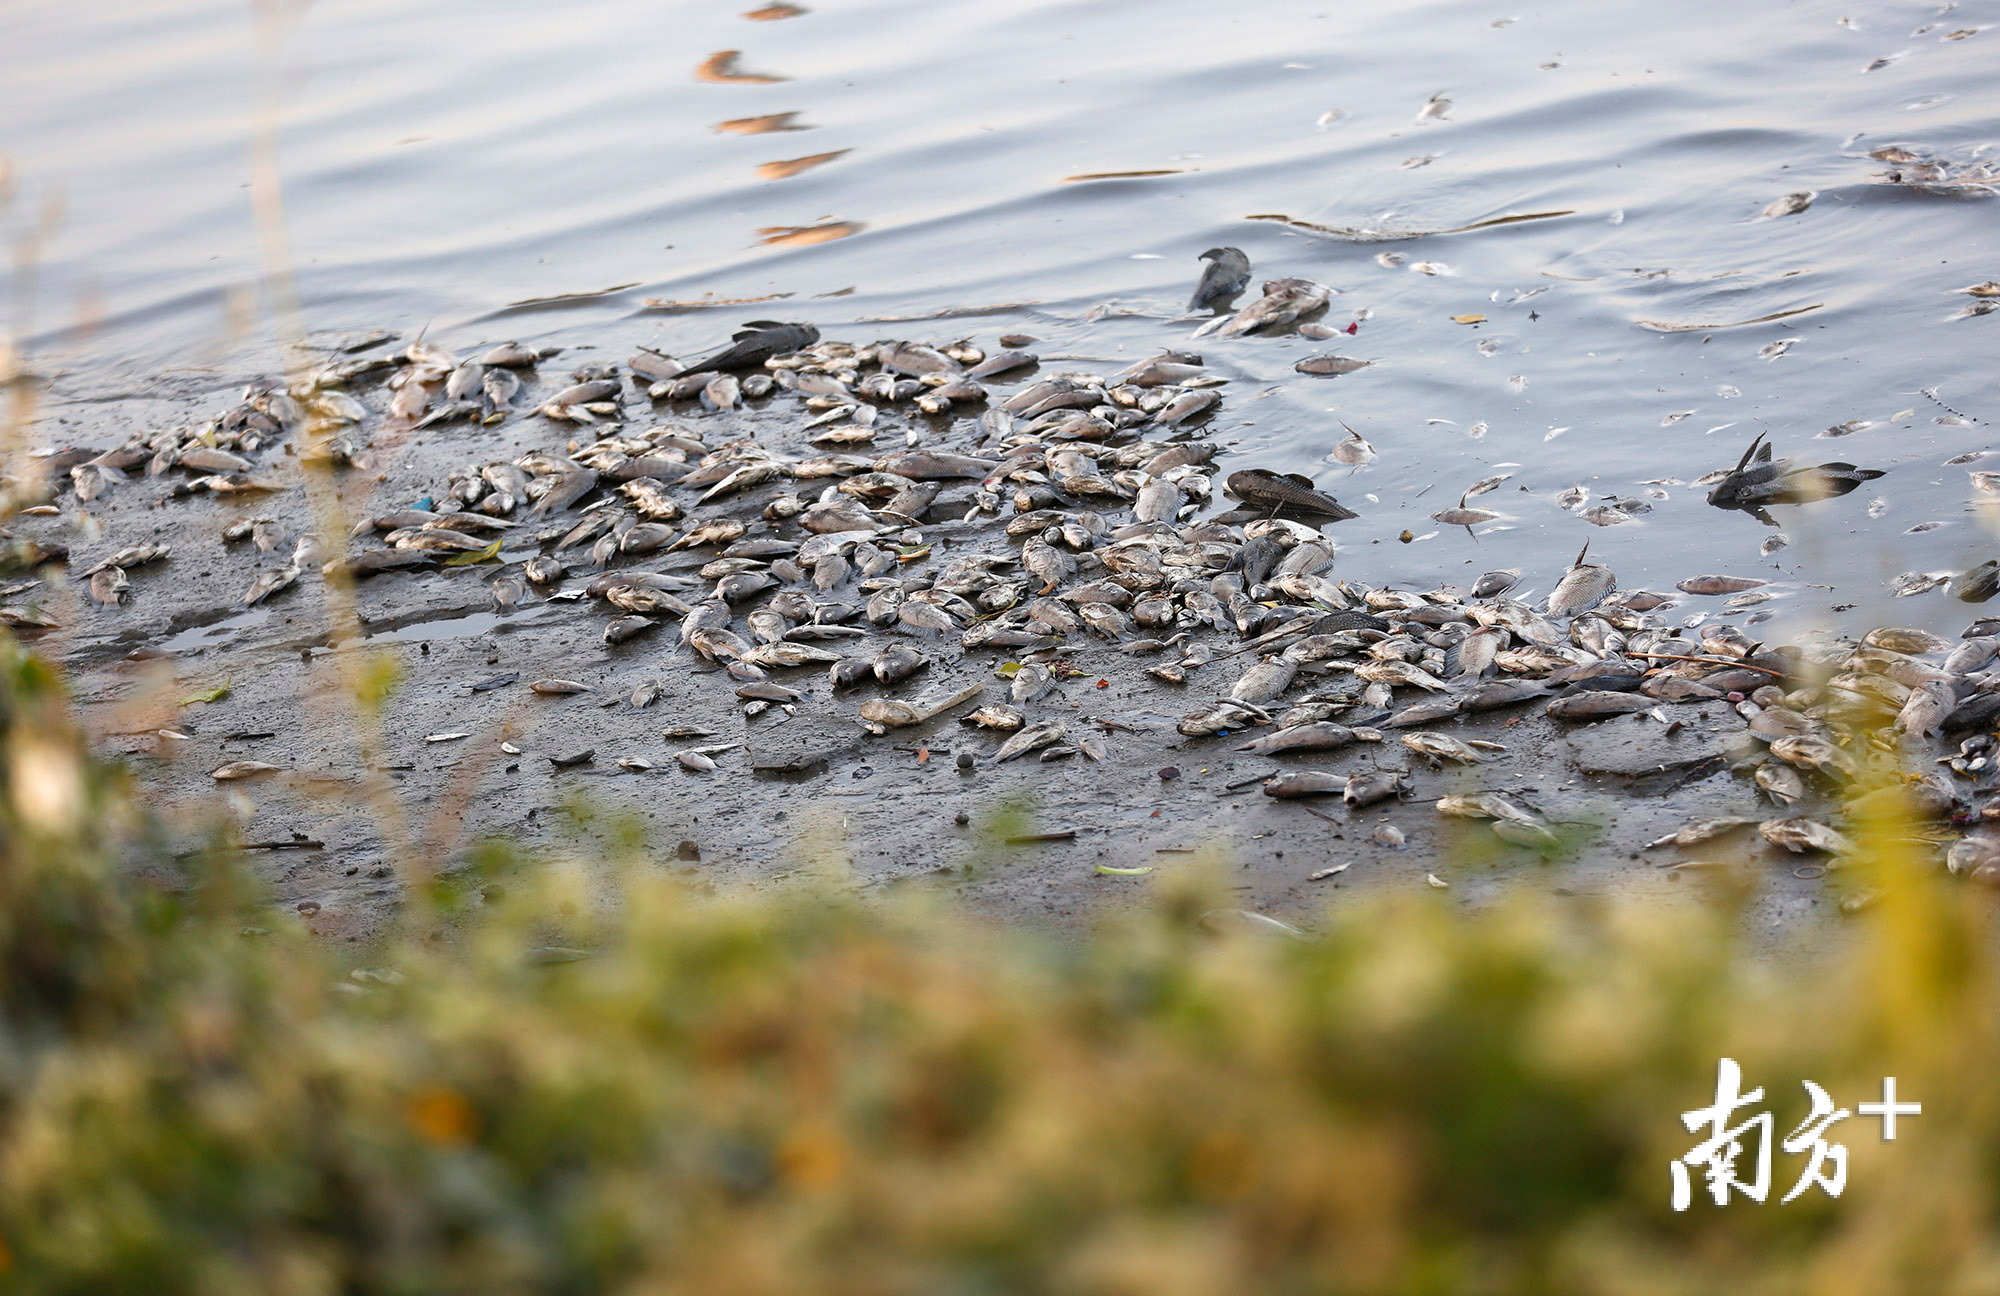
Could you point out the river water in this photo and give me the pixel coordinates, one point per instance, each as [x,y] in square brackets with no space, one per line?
[893,159]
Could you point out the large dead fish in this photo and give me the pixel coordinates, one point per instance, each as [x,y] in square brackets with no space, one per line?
[755,343]
[1225,275]
[1285,302]
[1288,493]
[1758,480]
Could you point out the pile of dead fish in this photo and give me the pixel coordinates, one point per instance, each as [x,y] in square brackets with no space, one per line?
[1067,513]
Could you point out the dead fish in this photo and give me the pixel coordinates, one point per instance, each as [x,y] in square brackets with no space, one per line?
[1977,584]
[1027,740]
[1758,480]
[1496,582]
[1905,639]
[268,583]
[1329,365]
[881,714]
[1353,450]
[565,490]
[1718,584]
[1808,751]
[1289,493]
[1004,718]
[110,585]
[558,687]
[1399,673]
[1186,406]
[897,662]
[1226,274]
[786,655]
[1464,516]
[1597,704]
[1790,205]
[628,627]
[1323,736]
[1294,784]
[1581,588]
[646,694]
[241,769]
[1484,805]
[1376,785]
[1264,681]
[1695,834]
[1284,302]
[1495,694]
[1428,711]
[1444,747]
[1031,682]
[1222,717]
[1799,834]
[1434,108]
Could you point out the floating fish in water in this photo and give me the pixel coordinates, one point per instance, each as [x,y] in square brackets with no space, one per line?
[1977,584]
[1719,584]
[1464,516]
[1284,302]
[1758,480]
[1790,205]
[1226,274]
[1434,108]
[1330,365]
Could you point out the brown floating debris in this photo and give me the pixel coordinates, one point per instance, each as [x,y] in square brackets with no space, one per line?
[765,125]
[785,170]
[806,235]
[1124,175]
[721,67]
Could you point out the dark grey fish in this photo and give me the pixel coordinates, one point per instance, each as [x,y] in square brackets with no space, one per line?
[1305,783]
[755,343]
[1226,274]
[569,487]
[1977,584]
[1287,493]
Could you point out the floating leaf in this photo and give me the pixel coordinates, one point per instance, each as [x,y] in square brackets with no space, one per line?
[1108,871]
[215,694]
[1468,319]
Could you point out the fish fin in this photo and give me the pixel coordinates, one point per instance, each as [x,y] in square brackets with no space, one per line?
[1301,479]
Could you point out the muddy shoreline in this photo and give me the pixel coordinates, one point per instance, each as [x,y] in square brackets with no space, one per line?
[799,791]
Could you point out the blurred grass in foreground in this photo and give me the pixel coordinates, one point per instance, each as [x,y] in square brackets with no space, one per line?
[536,1088]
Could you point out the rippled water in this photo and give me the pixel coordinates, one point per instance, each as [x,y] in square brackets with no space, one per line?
[899,159]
